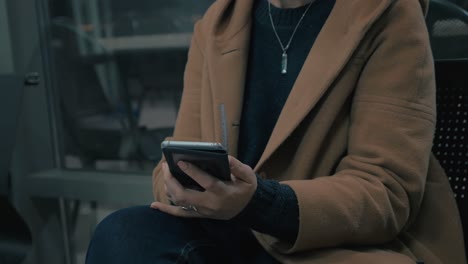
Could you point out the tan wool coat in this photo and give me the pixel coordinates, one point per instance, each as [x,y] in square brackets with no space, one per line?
[353,139]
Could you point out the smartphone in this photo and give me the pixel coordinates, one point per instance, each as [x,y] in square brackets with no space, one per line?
[210,157]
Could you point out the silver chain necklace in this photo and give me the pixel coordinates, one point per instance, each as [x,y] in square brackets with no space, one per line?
[284,57]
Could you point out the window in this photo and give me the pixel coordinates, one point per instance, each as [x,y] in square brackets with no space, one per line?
[117,68]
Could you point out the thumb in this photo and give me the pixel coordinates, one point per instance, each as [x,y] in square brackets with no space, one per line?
[241,171]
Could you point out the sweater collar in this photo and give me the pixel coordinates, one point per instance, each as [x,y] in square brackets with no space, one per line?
[282,17]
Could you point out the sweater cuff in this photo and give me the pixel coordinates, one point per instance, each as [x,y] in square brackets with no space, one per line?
[272,210]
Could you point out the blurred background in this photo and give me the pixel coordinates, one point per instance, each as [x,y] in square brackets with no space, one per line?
[88,90]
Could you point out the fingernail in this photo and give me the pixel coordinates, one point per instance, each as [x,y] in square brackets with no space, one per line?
[164,164]
[182,165]
[153,205]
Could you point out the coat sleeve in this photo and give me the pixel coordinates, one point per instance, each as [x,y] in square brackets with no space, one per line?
[188,119]
[377,188]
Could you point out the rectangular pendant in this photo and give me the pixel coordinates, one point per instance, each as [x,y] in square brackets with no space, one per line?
[284,63]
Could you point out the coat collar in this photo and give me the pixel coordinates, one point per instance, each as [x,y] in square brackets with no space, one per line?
[345,28]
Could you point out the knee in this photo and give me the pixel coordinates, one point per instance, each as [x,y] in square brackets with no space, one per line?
[116,237]
[119,229]
[128,221]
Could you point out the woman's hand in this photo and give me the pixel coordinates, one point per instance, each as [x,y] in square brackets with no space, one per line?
[221,200]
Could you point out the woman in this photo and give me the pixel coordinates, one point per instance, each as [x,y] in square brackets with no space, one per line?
[332,103]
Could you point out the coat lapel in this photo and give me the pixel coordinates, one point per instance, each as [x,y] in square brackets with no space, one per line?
[227,68]
[340,36]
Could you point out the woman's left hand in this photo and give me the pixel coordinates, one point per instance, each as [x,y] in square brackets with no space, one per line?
[221,200]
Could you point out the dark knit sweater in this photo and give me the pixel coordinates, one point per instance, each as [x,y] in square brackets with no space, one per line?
[273,209]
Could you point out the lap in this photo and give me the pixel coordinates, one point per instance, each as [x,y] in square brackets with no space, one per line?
[144,235]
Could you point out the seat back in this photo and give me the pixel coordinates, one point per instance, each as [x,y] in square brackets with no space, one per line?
[447,23]
[451,138]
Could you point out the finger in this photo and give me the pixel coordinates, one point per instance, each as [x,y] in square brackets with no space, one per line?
[168,195]
[241,171]
[172,185]
[174,188]
[166,172]
[178,194]
[175,210]
[166,191]
[205,180]
[175,192]
[181,195]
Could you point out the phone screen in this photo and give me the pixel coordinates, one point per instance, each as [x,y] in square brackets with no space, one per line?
[209,157]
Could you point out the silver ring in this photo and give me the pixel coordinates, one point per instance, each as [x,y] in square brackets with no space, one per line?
[189,208]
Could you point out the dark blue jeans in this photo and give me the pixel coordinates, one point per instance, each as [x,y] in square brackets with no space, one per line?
[144,235]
